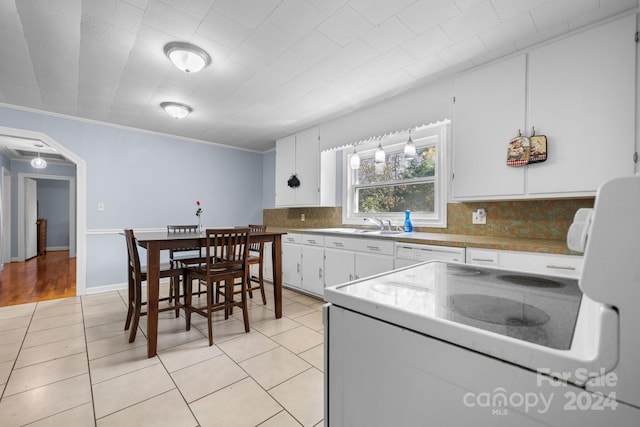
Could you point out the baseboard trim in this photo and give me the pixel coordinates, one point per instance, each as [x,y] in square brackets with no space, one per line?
[115,287]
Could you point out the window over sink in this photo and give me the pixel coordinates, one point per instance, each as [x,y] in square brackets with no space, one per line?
[386,190]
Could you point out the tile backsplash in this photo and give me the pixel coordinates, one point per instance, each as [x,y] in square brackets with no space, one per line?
[320,217]
[541,219]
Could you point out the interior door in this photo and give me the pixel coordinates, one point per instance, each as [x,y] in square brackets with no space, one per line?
[5,249]
[30,218]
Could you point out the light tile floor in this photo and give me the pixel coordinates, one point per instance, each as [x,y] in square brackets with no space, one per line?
[68,362]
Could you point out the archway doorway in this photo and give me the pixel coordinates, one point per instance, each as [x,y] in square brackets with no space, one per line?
[79,210]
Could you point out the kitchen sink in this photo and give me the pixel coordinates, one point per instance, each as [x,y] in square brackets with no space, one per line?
[360,231]
[338,230]
[380,232]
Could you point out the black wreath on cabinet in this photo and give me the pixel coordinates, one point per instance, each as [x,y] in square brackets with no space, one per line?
[293,181]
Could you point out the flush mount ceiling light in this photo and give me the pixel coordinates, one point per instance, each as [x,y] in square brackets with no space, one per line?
[176,110]
[187,57]
[409,148]
[38,162]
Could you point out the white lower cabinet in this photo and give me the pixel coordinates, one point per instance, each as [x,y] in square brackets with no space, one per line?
[292,260]
[349,259]
[313,264]
[339,266]
[371,264]
[310,262]
[303,262]
[530,262]
[267,263]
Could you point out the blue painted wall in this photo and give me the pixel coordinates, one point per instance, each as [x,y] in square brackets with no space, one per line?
[23,166]
[148,180]
[53,205]
[269,180]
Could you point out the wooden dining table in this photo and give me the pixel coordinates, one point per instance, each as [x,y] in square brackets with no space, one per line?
[156,242]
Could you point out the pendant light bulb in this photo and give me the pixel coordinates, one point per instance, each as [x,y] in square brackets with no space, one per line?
[38,162]
[355,160]
[380,154]
[409,148]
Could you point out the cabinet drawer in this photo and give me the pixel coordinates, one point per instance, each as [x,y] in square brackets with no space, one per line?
[557,265]
[482,257]
[384,247]
[341,243]
[292,238]
[313,240]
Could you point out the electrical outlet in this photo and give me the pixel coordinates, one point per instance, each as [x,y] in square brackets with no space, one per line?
[101,207]
[479,216]
[302,218]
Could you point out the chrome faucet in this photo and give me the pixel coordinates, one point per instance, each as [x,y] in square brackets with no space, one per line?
[376,221]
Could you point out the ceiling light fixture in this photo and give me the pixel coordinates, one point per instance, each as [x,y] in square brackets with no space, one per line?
[409,148]
[187,57]
[380,154]
[176,110]
[354,162]
[38,162]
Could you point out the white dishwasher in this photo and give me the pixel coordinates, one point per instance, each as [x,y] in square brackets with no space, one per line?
[410,253]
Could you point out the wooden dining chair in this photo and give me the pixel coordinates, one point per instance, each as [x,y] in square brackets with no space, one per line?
[256,256]
[138,274]
[184,256]
[226,256]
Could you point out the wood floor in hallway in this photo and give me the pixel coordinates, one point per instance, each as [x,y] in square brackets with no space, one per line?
[45,277]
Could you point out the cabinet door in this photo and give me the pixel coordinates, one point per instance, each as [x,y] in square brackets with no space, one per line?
[267,262]
[285,167]
[313,269]
[370,264]
[489,111]
[339,266]
[291,266]
[581,97]
[308,167]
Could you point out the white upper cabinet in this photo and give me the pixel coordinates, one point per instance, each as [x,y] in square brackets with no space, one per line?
[298,155]
[578,91]
[582,97]
[489,111]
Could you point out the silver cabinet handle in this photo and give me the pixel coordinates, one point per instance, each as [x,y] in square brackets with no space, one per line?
[319,273]
[350,277]
[338,244]
[298,267]
[562,267]
[482,259]
[373,248]
[311,241]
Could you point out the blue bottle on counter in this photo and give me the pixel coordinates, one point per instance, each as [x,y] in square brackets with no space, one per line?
[408,227]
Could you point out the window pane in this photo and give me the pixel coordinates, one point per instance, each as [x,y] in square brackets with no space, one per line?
[418,197]
[397,169]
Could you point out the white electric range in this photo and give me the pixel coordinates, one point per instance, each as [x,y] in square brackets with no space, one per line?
[444,343]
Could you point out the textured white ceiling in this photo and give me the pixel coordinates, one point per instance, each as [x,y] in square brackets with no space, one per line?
[279,66]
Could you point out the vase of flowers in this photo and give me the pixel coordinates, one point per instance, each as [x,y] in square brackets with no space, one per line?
[198,214]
